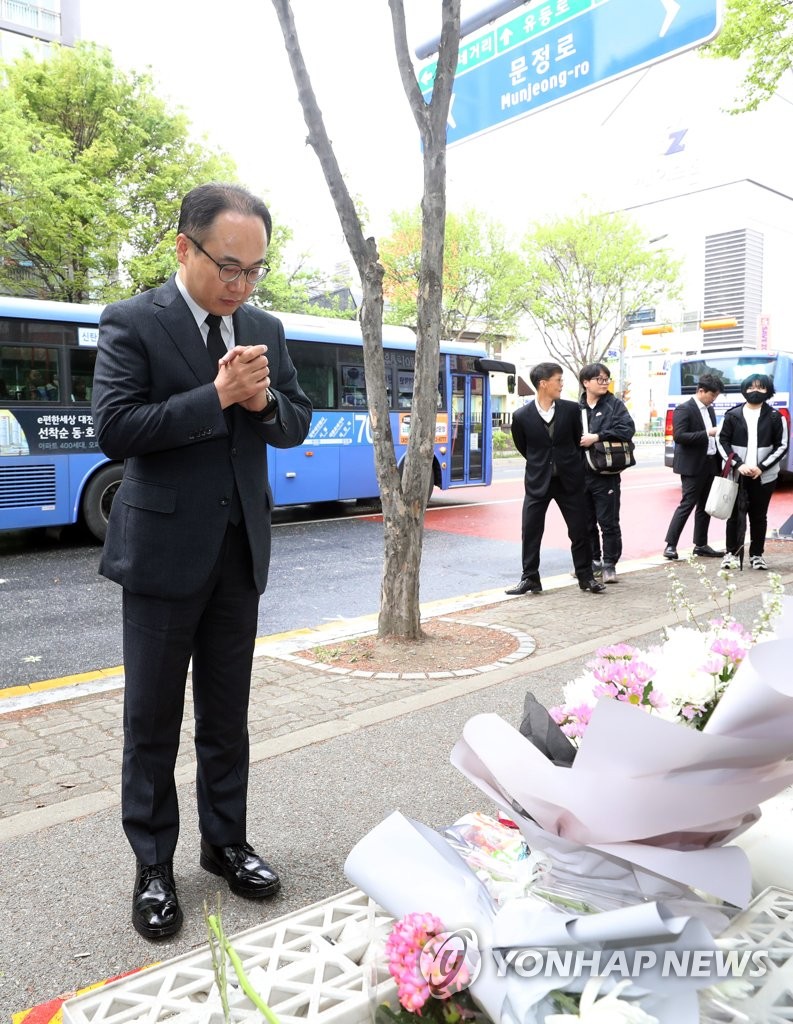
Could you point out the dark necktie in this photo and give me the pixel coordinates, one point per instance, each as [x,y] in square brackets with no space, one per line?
[217,349]
[215,344]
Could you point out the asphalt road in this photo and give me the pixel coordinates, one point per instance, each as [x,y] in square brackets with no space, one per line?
[58,617]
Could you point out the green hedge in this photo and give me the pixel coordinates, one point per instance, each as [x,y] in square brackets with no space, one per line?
[503,443]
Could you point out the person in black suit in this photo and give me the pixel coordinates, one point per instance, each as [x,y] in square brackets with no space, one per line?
[696,460]
[191,385]
[547,433]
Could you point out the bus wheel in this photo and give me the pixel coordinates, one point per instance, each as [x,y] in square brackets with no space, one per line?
[98,498]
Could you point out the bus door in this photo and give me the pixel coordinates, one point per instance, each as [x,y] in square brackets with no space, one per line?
[467,462]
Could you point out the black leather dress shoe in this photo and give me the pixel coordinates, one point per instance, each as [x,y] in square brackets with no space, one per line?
[592,586]
[706,551]
[155,908]
[670,551]
[245,871]
[525,587]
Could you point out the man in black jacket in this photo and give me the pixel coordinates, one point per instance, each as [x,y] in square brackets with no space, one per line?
[607,419]
[696,460]
[547,433]
[192,384]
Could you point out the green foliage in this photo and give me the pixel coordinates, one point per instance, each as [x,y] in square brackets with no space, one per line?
[503,443]
[459,1009]
[92,166]
[762,32]
[290,291]
[584,272]
[482,276]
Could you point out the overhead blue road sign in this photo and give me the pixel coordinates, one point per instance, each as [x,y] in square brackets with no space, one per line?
[561,49]
[645,315]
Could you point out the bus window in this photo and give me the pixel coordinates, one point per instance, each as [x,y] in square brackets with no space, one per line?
[30,374]
[405,389]
[353,386]
[81,373]
[316,370]
[730,368]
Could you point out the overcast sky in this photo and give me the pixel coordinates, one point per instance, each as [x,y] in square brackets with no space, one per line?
[198,52]
[609,145]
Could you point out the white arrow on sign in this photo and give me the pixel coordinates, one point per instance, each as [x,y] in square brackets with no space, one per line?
[672,8]
[449,118]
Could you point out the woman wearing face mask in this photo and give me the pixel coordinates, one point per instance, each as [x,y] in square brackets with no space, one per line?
[756,435]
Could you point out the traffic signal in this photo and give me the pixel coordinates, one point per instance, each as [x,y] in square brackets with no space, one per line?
[658,329]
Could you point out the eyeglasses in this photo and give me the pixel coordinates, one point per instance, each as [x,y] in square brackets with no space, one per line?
[602,380]
[230,272]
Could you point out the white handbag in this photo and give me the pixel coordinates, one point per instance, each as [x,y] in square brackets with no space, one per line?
[722,494]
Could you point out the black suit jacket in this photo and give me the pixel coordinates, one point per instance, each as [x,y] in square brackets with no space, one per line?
[691,438]
[156,407]
[542,452]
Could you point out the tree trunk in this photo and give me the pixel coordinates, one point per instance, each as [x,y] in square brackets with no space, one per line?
[405,499]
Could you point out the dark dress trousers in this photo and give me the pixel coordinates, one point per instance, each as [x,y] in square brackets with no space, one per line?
[554,472]
[191,577]
[610,420]
[696,469]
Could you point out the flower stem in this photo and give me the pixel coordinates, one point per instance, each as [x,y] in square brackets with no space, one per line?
[216,927]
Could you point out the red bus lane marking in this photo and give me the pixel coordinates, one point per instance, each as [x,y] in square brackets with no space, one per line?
[647,506]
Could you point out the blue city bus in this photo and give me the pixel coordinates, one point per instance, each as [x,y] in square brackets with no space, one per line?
[52,472]
[731,367]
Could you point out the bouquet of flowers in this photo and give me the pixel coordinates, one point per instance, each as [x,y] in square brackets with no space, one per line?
[655,800]
[632,822]
[681,679]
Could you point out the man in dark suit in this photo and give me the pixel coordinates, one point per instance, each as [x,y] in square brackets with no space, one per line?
[547,433]
[696,460]
[191,385]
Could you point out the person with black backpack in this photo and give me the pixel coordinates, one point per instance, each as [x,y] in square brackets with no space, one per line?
[605,418]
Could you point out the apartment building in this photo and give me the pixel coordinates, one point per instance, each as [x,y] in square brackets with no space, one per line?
[27,25]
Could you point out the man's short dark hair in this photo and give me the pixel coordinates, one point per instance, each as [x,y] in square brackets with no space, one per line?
[202,205]
[544,371]
[592,370]
[710,382]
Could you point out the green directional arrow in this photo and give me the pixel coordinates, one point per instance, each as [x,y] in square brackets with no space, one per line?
[479,48]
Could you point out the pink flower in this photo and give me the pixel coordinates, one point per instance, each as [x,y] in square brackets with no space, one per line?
[572,719]
[403,948]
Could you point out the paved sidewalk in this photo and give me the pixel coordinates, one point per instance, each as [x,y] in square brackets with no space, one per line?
[333,752]
[61,760]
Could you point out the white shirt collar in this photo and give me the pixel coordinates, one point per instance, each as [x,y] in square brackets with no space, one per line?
[226,326]
[546,415]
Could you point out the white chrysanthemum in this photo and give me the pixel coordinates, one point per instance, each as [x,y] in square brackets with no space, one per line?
[579,691]
[610,1009]
[678,664]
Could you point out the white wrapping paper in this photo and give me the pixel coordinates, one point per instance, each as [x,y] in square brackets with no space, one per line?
[407,868]
[649,792]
